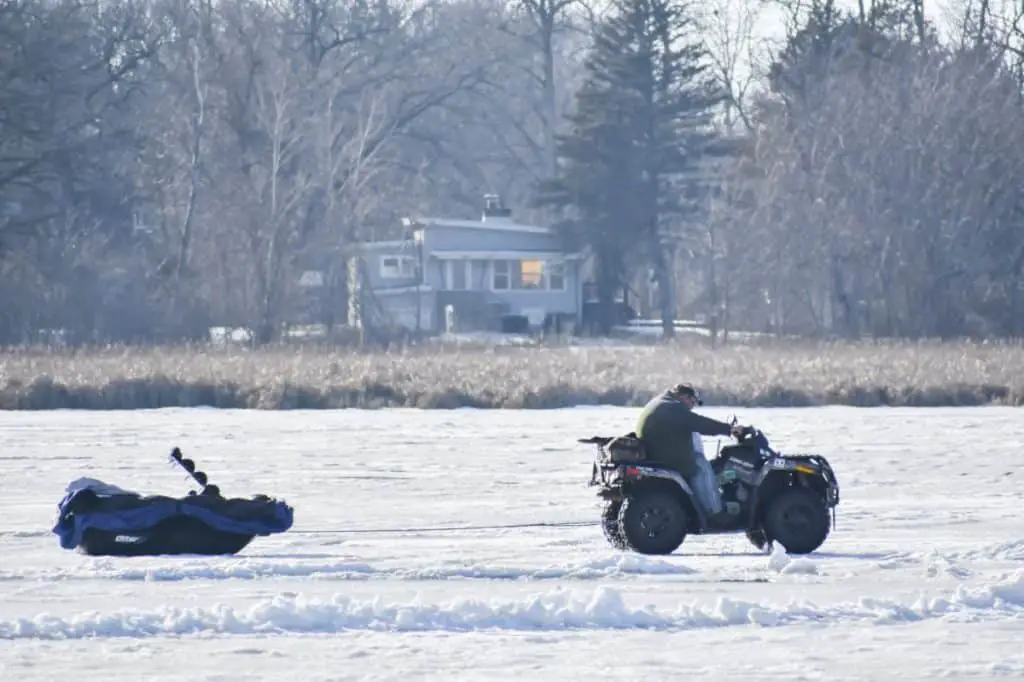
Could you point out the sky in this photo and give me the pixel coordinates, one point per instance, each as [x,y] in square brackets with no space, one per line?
[763,22]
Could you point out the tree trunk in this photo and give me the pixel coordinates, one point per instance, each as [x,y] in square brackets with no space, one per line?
[664,276]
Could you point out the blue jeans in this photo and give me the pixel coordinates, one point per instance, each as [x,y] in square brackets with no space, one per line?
[705,487]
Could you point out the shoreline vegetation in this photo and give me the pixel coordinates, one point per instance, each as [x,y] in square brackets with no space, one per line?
[778,373]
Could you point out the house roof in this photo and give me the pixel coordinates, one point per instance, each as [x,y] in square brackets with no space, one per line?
[395,291]
[390,244]
[499,224]
[503,255]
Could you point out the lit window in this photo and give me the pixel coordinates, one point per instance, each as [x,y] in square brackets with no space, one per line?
[528,275]
[531,273]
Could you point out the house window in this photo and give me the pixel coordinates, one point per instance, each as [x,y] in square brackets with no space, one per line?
[556,276]
[457,276]
[478,270]
[502,275]
[532,273]
[397,267]
[528,275]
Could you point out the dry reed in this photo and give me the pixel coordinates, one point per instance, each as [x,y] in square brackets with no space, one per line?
[767,374]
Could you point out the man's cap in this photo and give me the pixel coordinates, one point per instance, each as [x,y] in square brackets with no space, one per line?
[681,390]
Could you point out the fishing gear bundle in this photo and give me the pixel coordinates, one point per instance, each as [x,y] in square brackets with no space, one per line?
[101,519]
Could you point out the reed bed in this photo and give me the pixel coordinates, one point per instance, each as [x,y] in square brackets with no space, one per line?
[772,374]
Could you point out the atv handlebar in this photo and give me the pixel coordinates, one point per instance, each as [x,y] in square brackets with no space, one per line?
[746,434]
[742,433]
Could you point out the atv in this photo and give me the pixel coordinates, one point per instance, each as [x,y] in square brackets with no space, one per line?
[650,508]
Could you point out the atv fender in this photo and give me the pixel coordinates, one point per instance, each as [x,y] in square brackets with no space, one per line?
[674,477]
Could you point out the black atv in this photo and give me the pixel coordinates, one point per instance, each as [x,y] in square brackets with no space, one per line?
[774,497]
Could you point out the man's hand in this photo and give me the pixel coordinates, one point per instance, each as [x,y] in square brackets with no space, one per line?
[738,432]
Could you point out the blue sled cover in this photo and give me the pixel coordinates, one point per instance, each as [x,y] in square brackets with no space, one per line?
[92,505]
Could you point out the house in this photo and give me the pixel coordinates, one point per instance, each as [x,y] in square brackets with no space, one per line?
[492,274]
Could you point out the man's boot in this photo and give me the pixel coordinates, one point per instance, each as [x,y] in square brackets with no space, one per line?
[727,519]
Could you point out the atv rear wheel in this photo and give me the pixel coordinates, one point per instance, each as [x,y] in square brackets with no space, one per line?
[798,520]
[652,522]
[610,524]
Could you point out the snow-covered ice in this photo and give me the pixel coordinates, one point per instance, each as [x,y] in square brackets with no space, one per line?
[923,577]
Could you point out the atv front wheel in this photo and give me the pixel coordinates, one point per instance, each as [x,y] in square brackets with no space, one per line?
[610,524]
[798,520]
[652,522]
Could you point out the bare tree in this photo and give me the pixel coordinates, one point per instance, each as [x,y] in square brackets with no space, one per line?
[546,19]
[729,28]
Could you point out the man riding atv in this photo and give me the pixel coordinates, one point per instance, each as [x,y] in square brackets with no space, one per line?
[671,434]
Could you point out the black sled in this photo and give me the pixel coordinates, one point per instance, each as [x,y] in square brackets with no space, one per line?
[103,520]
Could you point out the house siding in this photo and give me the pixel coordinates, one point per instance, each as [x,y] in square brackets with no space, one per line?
[478,305]
[550,302]
[401,309]
[374,264]
[535,304]
[433,272]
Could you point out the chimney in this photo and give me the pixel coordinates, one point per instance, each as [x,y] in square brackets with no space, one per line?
[493,208]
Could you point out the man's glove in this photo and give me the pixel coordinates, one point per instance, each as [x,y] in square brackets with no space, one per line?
[738,432]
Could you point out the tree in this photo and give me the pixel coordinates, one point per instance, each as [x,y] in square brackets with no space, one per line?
[729,27]
[71,73]
[632,169]
[546,18]
[882,195]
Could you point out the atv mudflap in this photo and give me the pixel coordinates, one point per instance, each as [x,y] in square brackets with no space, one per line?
[598,475]
[605,476]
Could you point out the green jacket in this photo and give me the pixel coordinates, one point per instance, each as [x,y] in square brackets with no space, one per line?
[666,427]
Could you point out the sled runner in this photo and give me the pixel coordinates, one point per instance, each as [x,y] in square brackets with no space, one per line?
[103,520]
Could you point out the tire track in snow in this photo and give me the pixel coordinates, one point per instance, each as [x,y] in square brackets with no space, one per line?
[601,609]
[610,566]
[255,569]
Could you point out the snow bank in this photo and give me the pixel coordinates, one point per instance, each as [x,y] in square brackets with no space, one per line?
[602,609]
[781,562]
[1003,551]
[599,568]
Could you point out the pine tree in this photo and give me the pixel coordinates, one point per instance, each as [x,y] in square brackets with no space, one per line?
[631,163]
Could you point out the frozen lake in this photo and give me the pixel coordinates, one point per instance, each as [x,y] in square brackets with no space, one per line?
[923,577]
